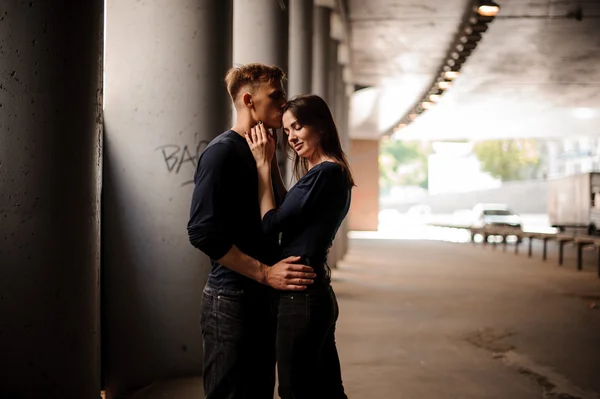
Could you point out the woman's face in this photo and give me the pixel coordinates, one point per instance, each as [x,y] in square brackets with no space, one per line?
[303,139]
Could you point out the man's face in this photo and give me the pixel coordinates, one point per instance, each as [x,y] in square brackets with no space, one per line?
[268,100]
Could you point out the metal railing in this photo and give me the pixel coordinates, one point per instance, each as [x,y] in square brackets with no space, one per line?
[578,240]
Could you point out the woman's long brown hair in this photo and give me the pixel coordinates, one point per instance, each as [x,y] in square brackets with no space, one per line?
[311,110]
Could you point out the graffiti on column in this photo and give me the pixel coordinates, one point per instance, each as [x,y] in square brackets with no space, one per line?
[182,159]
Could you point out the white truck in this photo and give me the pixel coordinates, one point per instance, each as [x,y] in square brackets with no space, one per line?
[574,202]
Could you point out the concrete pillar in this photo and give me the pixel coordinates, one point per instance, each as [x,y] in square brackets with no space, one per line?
[301,47]
[341,104]
[364,210]
[260,34]
[335,101]
[300,60]
[165,99]
[332,78]
[321,49]
[50,143]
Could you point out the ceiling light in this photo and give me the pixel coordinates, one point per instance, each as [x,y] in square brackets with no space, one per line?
[480,19]
[450,75]
[453,62]
[444,85]
[455,68]
[436,95]
[488,9]
[475,37]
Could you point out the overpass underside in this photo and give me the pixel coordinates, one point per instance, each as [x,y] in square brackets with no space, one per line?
[105,108]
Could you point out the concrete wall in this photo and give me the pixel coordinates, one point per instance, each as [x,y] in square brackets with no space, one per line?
[165,100]
[50,143]
[364,161]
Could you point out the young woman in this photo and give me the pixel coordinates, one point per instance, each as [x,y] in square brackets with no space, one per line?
[308,218]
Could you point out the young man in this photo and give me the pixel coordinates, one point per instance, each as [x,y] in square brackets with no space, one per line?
[238,324]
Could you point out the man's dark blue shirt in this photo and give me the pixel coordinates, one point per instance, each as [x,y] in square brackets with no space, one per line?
[225,209]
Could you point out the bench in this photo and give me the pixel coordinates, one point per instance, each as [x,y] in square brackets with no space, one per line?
[579,240]
[563,239]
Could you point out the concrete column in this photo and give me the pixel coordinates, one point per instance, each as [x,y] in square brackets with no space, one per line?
[50,143]
[364,210]
[341,104]
[333,73]
[321,49]
[165,99]
[300,59]
[260,34]
[301,47]
[336,104]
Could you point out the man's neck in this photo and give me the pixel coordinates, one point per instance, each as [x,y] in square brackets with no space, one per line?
[243,125]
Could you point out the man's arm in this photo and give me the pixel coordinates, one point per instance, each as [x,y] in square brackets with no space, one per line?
[207,232]
[207,228]
[265,189]
[284,275]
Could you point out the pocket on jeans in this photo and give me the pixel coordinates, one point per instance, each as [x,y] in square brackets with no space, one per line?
[231,315]
[231,295]
[230,304]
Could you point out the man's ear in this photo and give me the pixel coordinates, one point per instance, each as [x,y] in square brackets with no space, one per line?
[247,100]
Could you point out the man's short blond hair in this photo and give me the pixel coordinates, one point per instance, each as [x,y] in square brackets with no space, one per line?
[253,75]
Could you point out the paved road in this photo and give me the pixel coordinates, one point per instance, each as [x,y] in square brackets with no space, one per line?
[438,320]
[434,320]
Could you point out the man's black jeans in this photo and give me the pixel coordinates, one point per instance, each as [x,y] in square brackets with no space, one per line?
[238,329]
[307,359]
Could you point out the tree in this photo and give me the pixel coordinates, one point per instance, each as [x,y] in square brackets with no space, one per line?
[507,159]
[402,163]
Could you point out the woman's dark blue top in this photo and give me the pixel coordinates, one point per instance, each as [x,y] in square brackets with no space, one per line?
[311,213]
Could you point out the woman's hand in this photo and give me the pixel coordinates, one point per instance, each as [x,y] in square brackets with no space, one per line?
[261,144]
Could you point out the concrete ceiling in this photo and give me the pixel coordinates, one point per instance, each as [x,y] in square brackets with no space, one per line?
[535,73]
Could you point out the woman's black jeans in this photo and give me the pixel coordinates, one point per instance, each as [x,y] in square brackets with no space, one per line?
[307,359]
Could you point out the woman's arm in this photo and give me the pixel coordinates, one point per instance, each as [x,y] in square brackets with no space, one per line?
[265,189]
[277,179]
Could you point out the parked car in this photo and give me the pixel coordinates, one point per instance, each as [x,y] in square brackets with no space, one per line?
[496,215]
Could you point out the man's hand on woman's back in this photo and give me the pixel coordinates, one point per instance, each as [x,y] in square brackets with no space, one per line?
[289,276]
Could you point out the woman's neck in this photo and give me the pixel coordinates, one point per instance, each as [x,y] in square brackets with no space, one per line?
[317,158]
